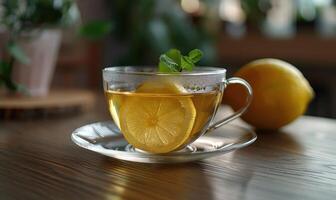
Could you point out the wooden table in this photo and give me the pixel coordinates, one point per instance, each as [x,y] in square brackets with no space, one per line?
[39,161]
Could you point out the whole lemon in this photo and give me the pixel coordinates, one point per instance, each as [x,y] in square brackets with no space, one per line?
[280,93]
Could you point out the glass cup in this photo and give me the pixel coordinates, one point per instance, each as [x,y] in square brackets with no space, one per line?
[164,112]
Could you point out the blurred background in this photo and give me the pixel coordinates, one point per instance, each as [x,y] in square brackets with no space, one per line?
[76,39]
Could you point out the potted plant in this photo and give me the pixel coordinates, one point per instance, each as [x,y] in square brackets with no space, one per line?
[30,50]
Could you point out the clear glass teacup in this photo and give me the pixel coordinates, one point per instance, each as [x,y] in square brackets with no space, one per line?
[164,112]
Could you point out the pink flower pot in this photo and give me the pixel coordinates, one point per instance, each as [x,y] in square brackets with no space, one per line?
[42,50]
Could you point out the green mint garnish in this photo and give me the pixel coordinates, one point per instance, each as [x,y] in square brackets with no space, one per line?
[174,61]
[195,55]
[168,65]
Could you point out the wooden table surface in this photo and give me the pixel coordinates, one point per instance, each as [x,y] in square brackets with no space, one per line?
[39,161]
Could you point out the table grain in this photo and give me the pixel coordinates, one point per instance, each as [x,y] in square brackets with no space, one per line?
[39,161]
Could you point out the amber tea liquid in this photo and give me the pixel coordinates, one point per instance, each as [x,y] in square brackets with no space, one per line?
[205,105]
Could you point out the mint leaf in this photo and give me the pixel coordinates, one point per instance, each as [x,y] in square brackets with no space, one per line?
[173,61]
[195,55]
[187,63]
[175,55]
[168,65]
[16,51]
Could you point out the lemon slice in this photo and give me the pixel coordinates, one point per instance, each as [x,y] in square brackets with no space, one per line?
[157,123]
[161,87]
[115,101]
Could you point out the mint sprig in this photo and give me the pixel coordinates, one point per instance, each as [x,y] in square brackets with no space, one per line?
[174,61]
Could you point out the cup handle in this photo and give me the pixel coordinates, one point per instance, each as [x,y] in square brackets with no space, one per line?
[239,112]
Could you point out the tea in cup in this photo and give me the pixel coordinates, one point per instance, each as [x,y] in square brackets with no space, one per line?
[164,112]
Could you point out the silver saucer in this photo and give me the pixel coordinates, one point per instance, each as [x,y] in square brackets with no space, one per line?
[105,138]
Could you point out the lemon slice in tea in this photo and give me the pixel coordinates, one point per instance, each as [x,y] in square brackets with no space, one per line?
[158,118]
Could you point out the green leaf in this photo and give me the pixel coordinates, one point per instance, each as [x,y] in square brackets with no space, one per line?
[187,63]
[168,65]
[10,84]
[22,89]
[4,68]
[173,61]
[195,55]
[163,67]
[5,76]
[15,50]
[175,55]
[96,29]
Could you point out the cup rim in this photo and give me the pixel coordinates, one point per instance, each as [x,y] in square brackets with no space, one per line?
[197,71]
